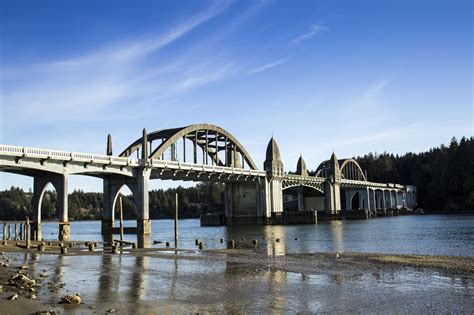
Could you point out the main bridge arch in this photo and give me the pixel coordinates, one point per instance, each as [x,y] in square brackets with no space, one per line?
[211,139]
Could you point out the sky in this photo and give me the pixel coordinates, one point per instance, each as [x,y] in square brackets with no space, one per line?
[349,77]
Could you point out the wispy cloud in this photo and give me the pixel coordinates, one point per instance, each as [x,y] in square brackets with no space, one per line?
[314,30]
[104,80]
[267,66]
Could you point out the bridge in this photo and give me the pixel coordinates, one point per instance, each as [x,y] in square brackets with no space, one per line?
[209,153]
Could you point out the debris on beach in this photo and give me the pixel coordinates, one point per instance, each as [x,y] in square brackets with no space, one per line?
[112,310]
[22,280]
[72,299]
[4,264]
[50,312]
[14,297]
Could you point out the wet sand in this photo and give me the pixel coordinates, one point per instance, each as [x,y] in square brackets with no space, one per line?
[145,281]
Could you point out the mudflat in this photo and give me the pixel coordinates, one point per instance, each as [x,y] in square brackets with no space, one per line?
[146,281]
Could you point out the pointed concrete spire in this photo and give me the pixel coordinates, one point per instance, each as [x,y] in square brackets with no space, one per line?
[334,162]
[273,152]
[144,144]
[109,144]
[301,167]
[273,158]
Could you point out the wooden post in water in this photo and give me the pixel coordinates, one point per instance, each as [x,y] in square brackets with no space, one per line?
[121,223]
[27,233]
[4,231]
[176,223]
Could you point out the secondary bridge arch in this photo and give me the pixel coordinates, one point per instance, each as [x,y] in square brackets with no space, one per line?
[211,139]
[349,169]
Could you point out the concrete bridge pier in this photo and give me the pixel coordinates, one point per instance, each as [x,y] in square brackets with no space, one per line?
[59,181]
[300,194]
[140,190]
[243,203]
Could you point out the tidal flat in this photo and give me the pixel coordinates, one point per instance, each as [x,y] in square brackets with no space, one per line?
[157,281]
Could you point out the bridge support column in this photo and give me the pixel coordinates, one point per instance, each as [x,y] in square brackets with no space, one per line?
[348,198]
[243,203]
[375,200]
[143,203]
[300,192]
[108,214]
[383,200]
[367,194]
[64,227]
[333,197]
[39,186]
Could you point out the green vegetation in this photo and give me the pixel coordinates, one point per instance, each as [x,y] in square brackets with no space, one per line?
[444,178]
[15,204]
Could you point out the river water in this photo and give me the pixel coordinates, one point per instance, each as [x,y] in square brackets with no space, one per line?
[263,279]
[450,235]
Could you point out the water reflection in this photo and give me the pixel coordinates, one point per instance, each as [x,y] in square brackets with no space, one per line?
[239,284]
[137,286]
[337,234]
[275,237]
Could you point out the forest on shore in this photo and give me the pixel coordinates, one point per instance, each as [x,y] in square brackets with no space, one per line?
[444,177]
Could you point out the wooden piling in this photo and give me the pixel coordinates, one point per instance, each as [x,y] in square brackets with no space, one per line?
[4,231]
[16,232]
[27,233]
[176,223]
[9,231]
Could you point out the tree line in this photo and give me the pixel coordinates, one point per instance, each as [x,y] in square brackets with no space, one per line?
[444,177]
[15,204]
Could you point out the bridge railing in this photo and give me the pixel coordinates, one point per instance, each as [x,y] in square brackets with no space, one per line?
[46,154]
[373,184]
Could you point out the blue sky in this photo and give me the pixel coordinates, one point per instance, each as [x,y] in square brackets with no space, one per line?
[349,76]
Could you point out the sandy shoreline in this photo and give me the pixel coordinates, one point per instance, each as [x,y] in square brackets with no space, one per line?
[348,266]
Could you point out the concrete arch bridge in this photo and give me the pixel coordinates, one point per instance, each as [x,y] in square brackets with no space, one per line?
[201,152]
